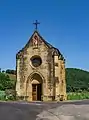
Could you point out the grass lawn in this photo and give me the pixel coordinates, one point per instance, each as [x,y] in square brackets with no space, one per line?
[77,96]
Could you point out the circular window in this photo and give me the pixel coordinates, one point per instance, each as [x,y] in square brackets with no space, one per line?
[36,61]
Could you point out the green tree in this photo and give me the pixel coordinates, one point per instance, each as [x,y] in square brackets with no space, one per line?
[5,82]
[10,71]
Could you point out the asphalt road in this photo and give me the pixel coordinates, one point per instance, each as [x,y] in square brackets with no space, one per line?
[29,111]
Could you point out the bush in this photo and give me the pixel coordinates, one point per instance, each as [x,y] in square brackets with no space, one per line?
[78,96]
[2,95]
[10,94]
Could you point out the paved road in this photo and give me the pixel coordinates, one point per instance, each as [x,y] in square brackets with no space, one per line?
[30,111]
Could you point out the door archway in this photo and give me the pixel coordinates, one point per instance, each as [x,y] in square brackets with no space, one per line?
[35,82]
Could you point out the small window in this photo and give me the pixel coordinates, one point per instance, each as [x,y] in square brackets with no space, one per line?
[56,64]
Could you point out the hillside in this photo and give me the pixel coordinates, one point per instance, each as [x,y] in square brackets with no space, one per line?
[77,79]
[12,76]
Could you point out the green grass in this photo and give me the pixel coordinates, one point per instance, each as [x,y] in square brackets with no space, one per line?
[77,96]
[2,95]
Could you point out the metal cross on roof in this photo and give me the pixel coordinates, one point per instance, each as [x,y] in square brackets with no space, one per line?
[36,24]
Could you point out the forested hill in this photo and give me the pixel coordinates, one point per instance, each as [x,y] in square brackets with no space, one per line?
[77,79]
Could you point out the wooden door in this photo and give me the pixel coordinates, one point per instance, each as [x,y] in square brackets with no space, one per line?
[34,92]
[39,92]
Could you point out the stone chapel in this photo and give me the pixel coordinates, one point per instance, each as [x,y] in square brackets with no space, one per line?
[40,71]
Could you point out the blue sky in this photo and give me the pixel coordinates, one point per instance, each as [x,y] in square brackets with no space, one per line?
[64,23]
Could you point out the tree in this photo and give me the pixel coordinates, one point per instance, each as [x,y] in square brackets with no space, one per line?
[6,82]
[3,71]
[11,71]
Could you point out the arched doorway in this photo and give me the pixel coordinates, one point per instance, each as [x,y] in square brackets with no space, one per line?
[36,82]
[36,86]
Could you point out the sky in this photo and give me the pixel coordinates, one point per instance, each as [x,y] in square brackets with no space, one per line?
[63,23]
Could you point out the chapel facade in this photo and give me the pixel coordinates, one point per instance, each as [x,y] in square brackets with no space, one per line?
[40,69]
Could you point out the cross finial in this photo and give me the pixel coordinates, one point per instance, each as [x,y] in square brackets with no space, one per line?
[36,24]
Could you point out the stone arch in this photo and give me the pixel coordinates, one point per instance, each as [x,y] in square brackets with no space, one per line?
[34,78]
[33,73]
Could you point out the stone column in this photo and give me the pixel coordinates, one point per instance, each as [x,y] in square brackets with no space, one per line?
[29,91]
[18,90]
[64,80]
[57,77]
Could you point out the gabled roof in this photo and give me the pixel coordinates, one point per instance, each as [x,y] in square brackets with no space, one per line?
[55,50]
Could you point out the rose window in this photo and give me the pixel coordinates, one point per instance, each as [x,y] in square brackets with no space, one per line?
[36,61]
